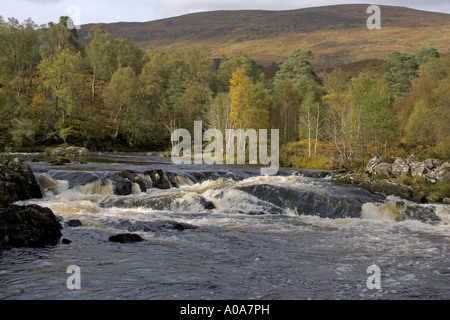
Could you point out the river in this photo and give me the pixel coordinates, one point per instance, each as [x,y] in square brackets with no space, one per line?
[225,232]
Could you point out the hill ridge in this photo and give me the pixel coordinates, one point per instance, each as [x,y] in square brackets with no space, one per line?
[336,34]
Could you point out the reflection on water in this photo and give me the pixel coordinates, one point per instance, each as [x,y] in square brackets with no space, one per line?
[246,238]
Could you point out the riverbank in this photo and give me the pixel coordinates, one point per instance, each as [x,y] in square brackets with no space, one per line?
[412,179]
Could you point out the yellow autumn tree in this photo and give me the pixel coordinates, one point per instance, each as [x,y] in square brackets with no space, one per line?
[241,89]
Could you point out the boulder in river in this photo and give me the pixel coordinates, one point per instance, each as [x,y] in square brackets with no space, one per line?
[125,238]
[17,182]
[159,179]
[28,226]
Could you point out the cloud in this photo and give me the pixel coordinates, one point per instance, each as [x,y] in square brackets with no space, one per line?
[43,1]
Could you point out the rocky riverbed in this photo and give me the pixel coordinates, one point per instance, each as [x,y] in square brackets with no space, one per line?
[386,178]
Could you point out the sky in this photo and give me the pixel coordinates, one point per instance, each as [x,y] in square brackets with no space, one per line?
[106,11]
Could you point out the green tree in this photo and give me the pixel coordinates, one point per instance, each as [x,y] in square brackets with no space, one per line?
[102,54]
[286,110]
[121,96]
[129,55]
[339,122]
[62,80]
[311,113]
[297,67]
[401,69]
[430,101]
[425,54]
[17,52]
[229,65]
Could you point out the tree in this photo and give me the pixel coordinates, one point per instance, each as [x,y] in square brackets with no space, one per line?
[339,120]
[241,89]
[57,37]
[425,54]
[430,101]
[401,69]
[377,123]
[229,65]
[102,55]
[286,104]
[121,96]
[17,52]
[311,113]
[62,80]
[297,67]
[129,55]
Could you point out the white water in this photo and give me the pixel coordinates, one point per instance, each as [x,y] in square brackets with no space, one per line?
[232,253]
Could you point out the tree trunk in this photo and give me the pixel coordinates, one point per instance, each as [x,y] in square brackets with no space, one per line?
[317,128]
[93,85]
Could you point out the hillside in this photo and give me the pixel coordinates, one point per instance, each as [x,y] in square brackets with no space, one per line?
[335,34]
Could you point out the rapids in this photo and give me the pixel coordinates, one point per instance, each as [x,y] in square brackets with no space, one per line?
[225,232]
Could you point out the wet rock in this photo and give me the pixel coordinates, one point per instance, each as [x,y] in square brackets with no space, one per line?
[66,241]
[446,200]
[75,178]
[152,226]
[28,226]
[159,179]
[17,182]
[389,188]
[417,212]
[350,178]
[126,238]
[330,202]
[400,168]
[122,186]
[69,152]
[384,186]
[208,205]
[74,223]
[134,177]
[59,161]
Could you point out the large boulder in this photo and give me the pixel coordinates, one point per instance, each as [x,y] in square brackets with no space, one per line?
[28,226]
[400,168]
[442,172]
[17,182]
[384,169]
[418,169]
[159,179]
[121,185]
[432,164]
[411,159]
[136,178]
[371,164]
[126,238]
